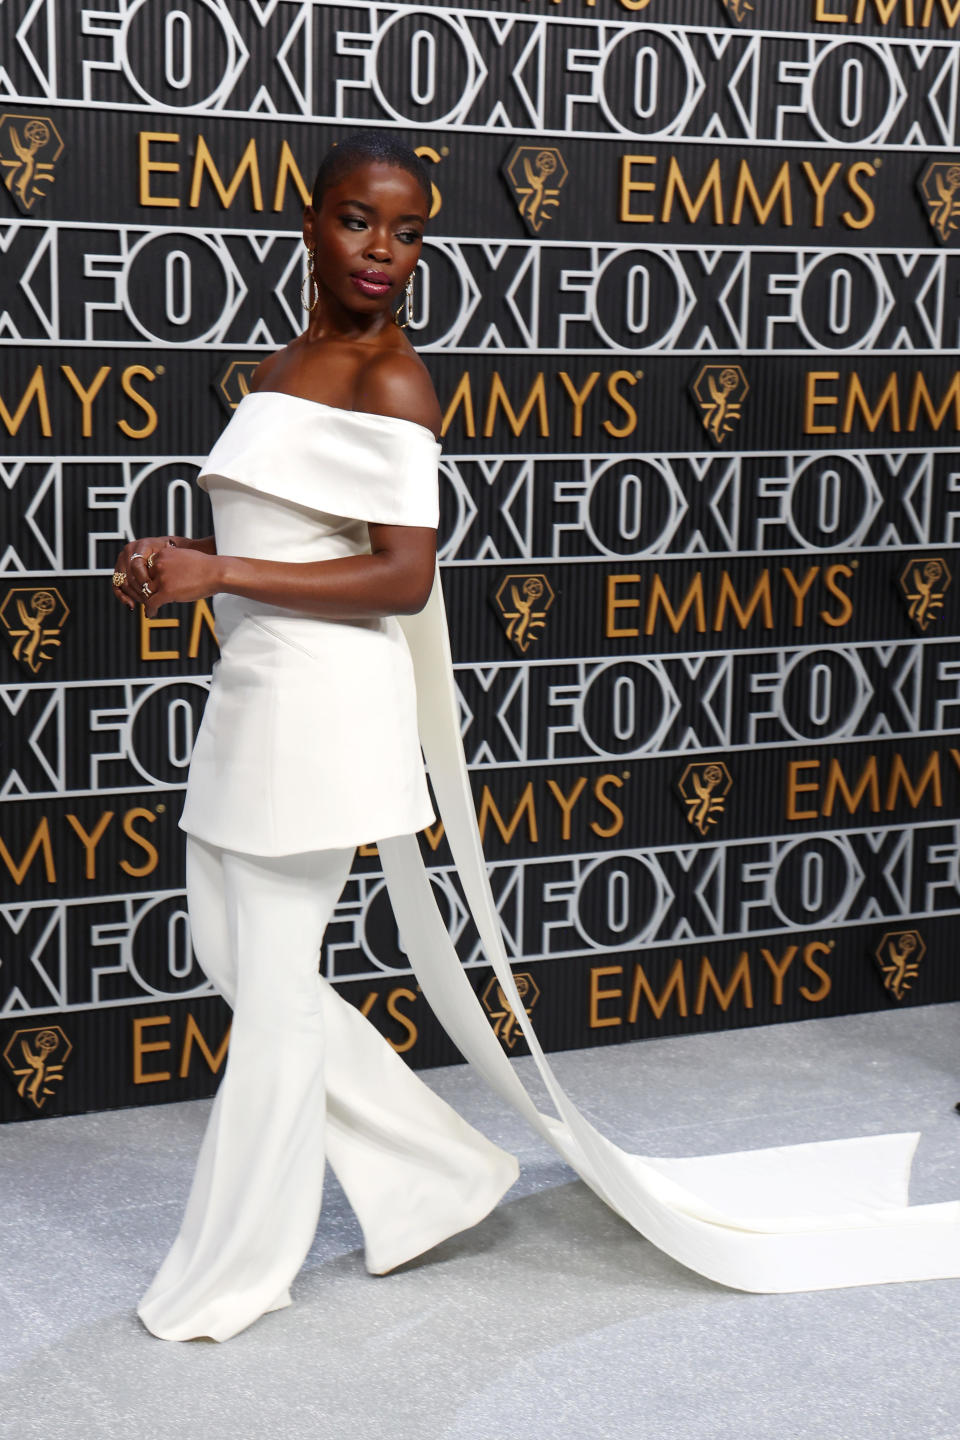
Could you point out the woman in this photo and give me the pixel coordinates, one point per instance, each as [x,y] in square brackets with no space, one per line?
[324,492]
[294,767]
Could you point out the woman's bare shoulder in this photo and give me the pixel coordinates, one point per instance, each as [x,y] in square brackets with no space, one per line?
[260,377]
[397,383]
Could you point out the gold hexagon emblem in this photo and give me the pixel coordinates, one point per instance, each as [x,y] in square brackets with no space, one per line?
[234,383]
[939,187]
[704,789]
[899,955]
[536,174]
[924,583]
[738,10]
[502,1017]
[719,391]
[522,602]
[35,1059]
[30,146]
[33,617]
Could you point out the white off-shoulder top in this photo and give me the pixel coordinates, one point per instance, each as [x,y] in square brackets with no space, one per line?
[309,738]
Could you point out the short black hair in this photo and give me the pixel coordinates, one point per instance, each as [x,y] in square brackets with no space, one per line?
[361,148]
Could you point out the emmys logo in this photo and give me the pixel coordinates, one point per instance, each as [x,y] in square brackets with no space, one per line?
[899,955]
[536,175]
[234,383]
[704,789]
[522,602]
[501,1014]
[33,620]
[720,391]
[738,10]
[924,584]
[30,147]
[35,1059]
[939,187]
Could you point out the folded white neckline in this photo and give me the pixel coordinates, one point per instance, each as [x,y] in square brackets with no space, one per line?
[340,410]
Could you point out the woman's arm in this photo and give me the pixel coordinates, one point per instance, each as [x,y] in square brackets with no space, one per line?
[395,579]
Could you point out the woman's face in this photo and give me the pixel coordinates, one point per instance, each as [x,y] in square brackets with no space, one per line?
[367,235]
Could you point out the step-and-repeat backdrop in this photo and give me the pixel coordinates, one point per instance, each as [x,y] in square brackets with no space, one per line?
[691,301]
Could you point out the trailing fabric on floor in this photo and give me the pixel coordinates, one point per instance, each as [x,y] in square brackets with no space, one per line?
[800,1217]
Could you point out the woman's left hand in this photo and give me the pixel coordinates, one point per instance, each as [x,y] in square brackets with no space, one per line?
[179,574]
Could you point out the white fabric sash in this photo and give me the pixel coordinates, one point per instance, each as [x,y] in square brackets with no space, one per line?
[801,1217]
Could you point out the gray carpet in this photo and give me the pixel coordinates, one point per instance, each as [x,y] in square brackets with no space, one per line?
[551,1319]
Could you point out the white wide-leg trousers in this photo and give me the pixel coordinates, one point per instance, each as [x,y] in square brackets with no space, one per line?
[307,1077]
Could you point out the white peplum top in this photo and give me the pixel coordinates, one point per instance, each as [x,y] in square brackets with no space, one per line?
[309,738]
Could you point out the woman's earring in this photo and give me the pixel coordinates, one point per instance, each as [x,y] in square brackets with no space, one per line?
[406,307]
[310,284]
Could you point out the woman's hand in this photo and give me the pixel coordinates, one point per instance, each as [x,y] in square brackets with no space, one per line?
[179,574]
[139,564]
[131,563]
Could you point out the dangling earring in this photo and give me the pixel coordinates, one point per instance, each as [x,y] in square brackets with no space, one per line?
[310,283]
[406,307]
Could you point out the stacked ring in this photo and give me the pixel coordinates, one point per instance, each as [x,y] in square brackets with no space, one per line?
[145,588]
[150,559]
[119,578]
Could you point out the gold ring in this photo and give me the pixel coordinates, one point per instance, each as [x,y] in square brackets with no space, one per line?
[137,556]
[150,559]
[119,578]
[145,588]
